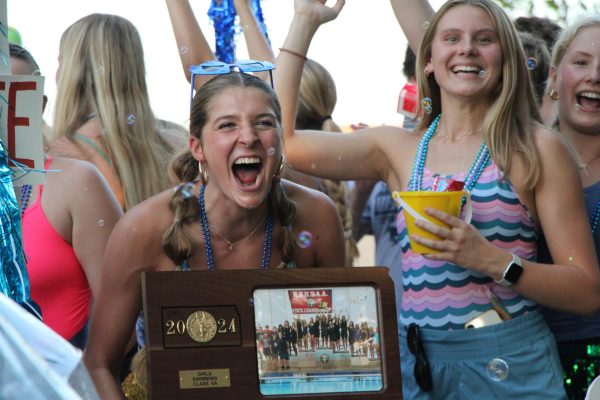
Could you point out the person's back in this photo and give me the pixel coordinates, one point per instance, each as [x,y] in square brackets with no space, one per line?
[66,223]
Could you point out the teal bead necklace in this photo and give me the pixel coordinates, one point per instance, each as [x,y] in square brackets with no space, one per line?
[416,179]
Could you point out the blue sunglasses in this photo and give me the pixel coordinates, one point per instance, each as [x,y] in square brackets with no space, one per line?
[219,68]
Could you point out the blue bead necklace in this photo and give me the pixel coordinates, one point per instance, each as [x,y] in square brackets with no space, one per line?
[595,217]
[25,193]
[266,256]
[416,178]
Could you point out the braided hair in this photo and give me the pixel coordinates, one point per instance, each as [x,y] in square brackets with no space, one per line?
[177,243]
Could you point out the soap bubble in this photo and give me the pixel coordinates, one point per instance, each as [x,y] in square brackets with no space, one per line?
[131,119]
[497,370]
[531,63]
[304,239]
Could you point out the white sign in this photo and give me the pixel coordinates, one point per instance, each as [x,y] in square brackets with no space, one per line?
[21,98]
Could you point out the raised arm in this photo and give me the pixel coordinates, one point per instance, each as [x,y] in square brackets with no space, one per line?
[412,16]
[192,45]
[329,155]
[258,46]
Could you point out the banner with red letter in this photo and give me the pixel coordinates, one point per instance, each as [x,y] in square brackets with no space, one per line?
[21,98]
[310,301]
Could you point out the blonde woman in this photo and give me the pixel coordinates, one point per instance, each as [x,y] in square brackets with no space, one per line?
[102,111]
[574,84]
[483,128]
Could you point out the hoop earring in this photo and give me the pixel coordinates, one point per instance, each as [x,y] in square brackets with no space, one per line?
[203,172]
[553,94]
[279,172]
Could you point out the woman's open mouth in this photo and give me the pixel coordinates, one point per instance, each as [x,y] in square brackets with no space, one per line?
[589,101]
[247,170]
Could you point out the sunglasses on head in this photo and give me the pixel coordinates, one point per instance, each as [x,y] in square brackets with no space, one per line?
[219,68]
[421,370]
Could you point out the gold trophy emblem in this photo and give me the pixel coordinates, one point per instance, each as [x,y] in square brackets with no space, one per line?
[201,326]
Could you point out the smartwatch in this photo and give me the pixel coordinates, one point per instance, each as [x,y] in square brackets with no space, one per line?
[512,272]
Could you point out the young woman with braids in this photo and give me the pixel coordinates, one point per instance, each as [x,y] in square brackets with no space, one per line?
[232,210]
[317,95]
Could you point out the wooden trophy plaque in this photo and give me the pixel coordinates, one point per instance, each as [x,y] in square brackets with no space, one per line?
[314,333]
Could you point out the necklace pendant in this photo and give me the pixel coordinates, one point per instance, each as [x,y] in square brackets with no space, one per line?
[230,245]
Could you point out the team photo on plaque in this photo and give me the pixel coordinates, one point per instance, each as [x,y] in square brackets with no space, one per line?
[318,340]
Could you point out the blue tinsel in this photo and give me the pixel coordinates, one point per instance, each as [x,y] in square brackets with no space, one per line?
[14,281]
[222,14]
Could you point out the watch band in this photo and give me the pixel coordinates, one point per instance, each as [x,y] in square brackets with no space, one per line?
[512,272]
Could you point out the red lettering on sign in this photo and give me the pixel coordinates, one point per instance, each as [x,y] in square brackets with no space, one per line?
[14,121]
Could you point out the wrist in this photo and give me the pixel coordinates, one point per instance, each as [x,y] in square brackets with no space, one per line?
[511,273]
[302,29]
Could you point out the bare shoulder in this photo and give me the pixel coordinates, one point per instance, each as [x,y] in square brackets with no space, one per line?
[304,197]
[73,169]
[390,133]
[152,216]
[552,146]
[399,146]
[312,206]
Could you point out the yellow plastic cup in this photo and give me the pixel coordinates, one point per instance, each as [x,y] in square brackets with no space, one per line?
[413,206]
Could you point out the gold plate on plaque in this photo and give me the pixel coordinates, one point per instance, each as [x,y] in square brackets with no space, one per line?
[201,326]
[204,378]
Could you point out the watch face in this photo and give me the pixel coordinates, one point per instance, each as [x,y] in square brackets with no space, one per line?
[513,273]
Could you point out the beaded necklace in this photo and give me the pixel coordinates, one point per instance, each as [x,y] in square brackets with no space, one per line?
[25,193]
[595,217]
[266,256]
[416,178]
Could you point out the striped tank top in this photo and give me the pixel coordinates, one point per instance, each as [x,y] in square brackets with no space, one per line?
[442,295]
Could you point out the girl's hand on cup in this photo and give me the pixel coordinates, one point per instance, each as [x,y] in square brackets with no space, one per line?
[460,244]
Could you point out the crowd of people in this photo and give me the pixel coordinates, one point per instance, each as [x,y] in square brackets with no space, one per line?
[509,108]
[320,332]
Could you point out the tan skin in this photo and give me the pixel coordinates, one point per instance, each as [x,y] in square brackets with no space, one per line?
[236,126]
[82,210]
[387,153]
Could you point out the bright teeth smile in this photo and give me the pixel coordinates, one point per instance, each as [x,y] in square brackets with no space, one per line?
[589,100]
[246,170]
[466,69]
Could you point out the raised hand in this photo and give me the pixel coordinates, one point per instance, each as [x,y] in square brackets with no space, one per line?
[318,10]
